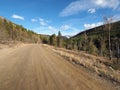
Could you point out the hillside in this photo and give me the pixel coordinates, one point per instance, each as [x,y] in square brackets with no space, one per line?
[115,30]
[10,31]
[95,41]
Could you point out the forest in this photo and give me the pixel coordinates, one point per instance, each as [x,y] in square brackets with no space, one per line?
[93,41]
[98,41]
[10,31]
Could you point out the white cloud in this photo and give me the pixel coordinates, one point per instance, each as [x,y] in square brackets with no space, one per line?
[43,30]
[116,18]
[83,5]
[89,26]
[52,28]
[68,30]
[65,30]
[34,20]
[75,7]
[17,17]
[65,27]
[107,3]
[71,32]
[91,10]
[43,22]
[41,19]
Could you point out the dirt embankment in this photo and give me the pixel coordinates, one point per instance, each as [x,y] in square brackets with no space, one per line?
[9,44]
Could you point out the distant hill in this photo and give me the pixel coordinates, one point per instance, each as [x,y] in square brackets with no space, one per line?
[95,40]
[10,31]
[115,30]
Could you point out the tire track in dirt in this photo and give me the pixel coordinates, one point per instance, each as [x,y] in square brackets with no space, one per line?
[34,67]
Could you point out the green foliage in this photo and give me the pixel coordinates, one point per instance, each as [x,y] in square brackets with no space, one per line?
[11,31]
[91,48]
[59,39]
[95,41]
[53,40]
[44,39]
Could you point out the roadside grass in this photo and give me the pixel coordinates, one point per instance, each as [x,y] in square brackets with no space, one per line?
[9,44]
[99,65]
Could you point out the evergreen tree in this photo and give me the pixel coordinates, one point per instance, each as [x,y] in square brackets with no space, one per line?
[59,39]
[91,48]
[85,42]
[53,40]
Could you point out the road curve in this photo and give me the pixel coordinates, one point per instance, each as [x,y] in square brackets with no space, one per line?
[35,67]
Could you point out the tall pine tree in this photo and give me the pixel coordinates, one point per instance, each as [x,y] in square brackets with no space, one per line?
[59,39]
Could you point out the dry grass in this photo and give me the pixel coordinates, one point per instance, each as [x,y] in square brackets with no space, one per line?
[91,62]
[9,44]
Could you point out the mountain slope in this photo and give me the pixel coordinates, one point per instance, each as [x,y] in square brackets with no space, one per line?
[95,40]
[10,31]
[115,30]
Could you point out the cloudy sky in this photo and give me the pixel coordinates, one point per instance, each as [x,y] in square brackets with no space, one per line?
[68,16]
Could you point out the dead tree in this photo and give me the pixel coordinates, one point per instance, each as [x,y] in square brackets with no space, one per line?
[108,25]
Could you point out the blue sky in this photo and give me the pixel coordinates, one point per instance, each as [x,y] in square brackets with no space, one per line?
[68,16]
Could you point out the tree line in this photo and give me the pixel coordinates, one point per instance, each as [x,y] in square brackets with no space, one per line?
[11,31]
[54,40]
[99,41]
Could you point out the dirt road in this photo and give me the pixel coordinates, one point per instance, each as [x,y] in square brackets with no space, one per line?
[34,67]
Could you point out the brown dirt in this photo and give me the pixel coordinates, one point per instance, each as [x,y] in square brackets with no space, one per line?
[34,67]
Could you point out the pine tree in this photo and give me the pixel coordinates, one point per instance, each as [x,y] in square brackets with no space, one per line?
[53,40]
[91,48]
[59,39]
[85,42]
